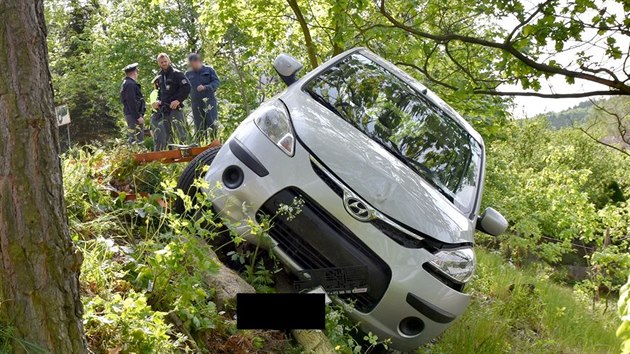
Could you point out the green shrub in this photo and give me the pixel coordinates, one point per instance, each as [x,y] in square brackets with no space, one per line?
[127,323]
[556,190]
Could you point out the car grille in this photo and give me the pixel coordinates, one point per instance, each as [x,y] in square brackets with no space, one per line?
[402,238]
[314,239]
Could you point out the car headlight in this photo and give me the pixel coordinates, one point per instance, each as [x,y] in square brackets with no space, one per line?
[273,121]
[457,264]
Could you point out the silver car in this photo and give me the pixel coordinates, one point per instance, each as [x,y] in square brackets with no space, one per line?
[390,180]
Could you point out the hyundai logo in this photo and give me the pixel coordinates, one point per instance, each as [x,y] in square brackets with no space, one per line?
[357,208]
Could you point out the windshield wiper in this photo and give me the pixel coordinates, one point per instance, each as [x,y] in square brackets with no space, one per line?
[416,167]
[324,102]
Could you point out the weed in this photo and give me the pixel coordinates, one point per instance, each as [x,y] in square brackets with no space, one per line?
[127,323]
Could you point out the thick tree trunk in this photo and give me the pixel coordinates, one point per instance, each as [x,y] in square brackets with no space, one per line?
[39,265]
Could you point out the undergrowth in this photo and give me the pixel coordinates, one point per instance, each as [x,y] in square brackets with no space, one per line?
[521,311]
[144,287]
[144,276]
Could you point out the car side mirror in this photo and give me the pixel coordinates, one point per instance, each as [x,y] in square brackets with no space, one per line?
[492,222]
[287,67]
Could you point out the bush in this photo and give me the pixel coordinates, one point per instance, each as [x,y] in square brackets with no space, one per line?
[126,323]
[563,196]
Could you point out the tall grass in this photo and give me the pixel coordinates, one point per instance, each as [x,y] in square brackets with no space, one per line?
[522,311]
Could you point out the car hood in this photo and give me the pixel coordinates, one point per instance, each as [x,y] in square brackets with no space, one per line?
[374,174]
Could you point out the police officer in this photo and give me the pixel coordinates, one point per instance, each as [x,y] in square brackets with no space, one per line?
[173,89]
[133,104]
[203,83]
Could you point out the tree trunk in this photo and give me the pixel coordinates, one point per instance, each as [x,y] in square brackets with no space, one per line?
[227,284]
[39,268]
[308,40]
[313,341]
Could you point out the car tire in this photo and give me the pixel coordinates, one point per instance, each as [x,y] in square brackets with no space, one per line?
[193,170]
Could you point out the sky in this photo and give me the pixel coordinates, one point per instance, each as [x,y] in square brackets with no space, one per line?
[530,106]
[527,107]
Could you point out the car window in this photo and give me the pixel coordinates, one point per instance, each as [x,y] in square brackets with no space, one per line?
[405,122]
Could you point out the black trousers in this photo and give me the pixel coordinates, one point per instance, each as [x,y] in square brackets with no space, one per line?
[168,128]
[135,130]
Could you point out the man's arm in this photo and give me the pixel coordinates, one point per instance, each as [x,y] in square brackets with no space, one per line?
[159,95]
[184,88]
[214,81]
[142,106]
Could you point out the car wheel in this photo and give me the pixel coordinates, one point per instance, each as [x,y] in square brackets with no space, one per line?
[193,170]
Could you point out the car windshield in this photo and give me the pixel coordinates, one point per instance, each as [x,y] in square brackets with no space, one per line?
[405,122]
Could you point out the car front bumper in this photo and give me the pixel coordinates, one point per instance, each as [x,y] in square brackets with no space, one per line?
[411,292]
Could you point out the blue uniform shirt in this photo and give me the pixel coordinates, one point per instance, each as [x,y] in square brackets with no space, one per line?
[207,77]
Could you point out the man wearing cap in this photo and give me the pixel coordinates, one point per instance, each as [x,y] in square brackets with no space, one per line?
[173,90]
[203,83]
[133,104]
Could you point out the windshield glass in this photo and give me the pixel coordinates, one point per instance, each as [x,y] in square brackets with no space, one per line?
[406,123]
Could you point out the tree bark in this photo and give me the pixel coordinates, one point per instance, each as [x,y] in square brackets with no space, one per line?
[39,265]
[226,284]
[313,341]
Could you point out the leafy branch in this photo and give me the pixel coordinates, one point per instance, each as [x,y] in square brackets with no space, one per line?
[510,46]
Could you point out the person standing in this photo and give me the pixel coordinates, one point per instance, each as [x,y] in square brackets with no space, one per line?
[153,96]
[133,104]
[173,89]
[203,84]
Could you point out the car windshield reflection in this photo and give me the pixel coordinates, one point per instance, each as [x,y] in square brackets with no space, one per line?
[403,121]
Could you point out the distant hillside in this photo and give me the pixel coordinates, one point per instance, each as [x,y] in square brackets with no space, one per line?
[580,113]
[569,117]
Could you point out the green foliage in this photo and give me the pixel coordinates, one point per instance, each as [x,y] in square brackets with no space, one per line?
[127,323]
[555,189]
[117,317]
[345,335]
[5,340]
[520,311]
[623,331]
[166,273]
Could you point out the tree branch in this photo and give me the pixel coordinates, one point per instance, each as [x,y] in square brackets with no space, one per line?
[600,70]
[548,95]
[539,8]
[507,47]
[426,73]
[308,40]
[625,152]
[457,63]
[619,120]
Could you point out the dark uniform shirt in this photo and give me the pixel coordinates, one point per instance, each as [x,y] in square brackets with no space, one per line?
[132,99]
[207,77]
[173,85]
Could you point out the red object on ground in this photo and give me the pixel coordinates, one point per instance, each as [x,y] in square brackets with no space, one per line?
[182,154]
